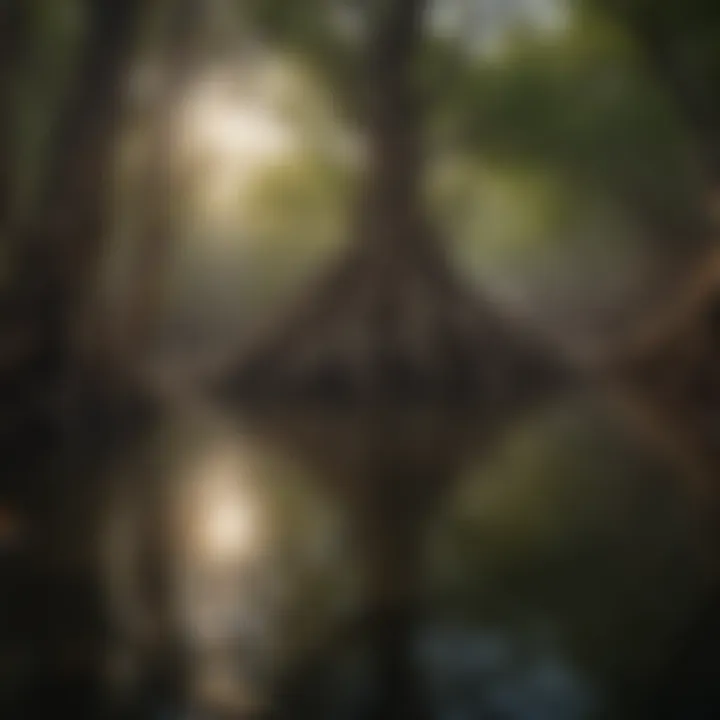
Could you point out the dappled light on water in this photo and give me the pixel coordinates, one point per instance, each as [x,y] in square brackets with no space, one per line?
[223,522]
[540,561]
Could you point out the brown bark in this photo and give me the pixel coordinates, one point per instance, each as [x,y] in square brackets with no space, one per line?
[394,123]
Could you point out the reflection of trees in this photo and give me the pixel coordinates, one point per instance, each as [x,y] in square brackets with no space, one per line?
[573,525]
[389,471]
[179,610]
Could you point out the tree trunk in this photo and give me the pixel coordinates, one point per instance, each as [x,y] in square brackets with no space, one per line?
[391,320]
[180,59]
[75,206]
[56,257]
[394,124]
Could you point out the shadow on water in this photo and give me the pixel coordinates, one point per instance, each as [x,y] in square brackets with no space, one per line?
[294,564]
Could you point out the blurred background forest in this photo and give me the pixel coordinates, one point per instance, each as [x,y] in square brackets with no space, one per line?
[440,277]
[561,170]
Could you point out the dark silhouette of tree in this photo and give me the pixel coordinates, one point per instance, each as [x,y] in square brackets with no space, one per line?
[55,254]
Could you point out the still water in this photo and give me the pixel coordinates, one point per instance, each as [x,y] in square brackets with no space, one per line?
[382,564]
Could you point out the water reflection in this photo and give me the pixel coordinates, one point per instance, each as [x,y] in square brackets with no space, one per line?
[251,561]
[385,564]
[498,674]
[574,527]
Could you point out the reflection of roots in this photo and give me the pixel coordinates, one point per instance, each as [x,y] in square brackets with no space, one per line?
[668,375]
[392,322]
[674,376]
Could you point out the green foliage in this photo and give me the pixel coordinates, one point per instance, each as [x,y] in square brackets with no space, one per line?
[580,102]
[685,33]
[680,43]
[319,33]
[578,105]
